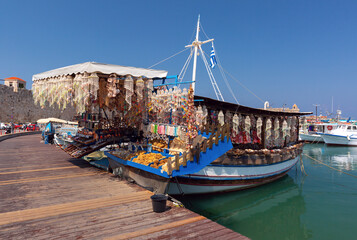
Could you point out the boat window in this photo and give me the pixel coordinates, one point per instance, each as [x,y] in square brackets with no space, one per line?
[354,127]
[349,128]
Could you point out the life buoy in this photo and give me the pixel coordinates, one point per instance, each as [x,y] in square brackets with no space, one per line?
[329,127]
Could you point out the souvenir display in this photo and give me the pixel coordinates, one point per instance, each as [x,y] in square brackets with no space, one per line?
[177,146]
[158,144]
[259,128]
[129,89]
[286,131]
[148,158]
[268,133]
[277,132]
[247,127]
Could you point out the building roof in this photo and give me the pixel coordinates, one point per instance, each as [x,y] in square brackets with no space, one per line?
[14,78]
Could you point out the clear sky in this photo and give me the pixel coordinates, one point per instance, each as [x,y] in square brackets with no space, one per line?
[285,52]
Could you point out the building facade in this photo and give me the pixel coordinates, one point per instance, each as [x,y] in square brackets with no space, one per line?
[15,82]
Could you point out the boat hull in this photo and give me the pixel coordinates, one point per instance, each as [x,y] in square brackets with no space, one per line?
[311,138]
[222,178]
[331,139]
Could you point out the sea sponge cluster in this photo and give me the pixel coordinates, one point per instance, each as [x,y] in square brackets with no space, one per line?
[146,159]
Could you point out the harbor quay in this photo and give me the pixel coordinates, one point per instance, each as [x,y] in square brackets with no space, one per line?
[45,194]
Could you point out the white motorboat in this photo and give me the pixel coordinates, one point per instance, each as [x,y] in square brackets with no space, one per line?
[344,135]
[314,131]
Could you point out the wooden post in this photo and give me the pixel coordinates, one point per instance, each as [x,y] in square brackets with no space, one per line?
[281,132]
[177,162]
[229,131]
[169,166]
[264,121]
[297,128]
[210,141]
[204,145]
[223,132]
[211,128]
[184,158]
[190,155]
[217,137]
[197,153]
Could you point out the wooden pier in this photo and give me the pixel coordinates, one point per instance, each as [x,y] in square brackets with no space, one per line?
[45,194]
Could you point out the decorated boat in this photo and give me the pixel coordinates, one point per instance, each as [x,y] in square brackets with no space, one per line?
[168,139]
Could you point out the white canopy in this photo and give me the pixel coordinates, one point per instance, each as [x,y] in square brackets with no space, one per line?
[93,67]
[56,120]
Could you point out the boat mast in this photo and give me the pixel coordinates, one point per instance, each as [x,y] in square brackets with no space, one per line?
[196,44]
[195,55]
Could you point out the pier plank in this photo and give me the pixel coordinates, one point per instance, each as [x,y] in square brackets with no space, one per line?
[45,194]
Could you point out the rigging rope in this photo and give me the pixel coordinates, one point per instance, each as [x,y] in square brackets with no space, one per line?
[329,166]
[213,80]
[204,31]
[168,58]
[240,83]
[225,78]
[185,66]
[243,85]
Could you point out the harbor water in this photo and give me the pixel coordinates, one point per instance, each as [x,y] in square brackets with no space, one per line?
[319,205]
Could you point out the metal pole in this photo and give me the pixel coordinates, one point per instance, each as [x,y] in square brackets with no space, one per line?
[195,56]
[316,105]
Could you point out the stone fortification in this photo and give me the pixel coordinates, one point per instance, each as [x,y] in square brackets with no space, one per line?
[19,107]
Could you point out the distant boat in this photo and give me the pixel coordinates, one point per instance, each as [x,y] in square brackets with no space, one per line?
[314,131]
[343,135]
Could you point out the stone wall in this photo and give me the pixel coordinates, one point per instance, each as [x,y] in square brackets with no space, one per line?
[19,107]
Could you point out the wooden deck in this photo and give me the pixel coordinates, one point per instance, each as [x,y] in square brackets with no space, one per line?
[47,195]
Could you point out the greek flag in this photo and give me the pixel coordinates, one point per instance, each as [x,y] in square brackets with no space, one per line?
[213,58]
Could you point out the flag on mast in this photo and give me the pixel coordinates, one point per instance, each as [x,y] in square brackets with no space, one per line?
[213,57]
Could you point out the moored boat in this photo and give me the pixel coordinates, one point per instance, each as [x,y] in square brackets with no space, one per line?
[314,131]
[343,135]
[169,140]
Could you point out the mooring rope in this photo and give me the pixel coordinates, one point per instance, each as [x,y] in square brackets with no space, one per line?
[329,166]
[302,167]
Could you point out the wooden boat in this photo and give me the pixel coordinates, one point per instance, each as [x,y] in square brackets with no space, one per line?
[246,164]
[264,148]
[226,146]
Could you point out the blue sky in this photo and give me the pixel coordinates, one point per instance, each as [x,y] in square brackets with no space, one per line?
[286,52]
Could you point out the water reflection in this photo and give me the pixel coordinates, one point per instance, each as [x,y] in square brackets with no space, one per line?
[343,158]
[267,212]
[296,206]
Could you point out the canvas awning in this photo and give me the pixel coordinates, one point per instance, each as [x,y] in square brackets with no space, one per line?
[55,120]
[93,67]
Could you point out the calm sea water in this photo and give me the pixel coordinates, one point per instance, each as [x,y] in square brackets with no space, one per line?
[321,205]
